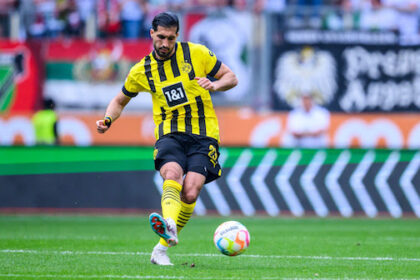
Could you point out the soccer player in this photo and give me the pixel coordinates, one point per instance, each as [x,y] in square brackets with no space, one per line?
[187,131]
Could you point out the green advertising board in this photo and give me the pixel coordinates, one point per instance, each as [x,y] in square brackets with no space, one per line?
[297,182]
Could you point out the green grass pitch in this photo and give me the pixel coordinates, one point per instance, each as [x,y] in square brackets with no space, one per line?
[118,247]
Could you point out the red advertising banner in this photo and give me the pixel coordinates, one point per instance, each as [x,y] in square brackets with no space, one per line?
[72,50]
[87,75]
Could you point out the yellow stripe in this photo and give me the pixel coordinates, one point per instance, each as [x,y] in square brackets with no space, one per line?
[187,207]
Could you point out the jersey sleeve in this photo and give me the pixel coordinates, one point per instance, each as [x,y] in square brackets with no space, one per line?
[133,84]
[211,63]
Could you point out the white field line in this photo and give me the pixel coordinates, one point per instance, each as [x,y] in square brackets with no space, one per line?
[93,276]
[39,252]
[14,275]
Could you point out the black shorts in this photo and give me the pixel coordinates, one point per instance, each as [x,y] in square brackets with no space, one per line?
[193,152]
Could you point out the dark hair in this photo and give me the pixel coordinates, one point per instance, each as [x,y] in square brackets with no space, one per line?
[49,103]
[165,19]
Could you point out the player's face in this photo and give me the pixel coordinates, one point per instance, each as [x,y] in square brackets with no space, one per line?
[164,40]
[307,103]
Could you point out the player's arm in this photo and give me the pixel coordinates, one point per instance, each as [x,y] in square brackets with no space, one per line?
[113,112]
[226,80]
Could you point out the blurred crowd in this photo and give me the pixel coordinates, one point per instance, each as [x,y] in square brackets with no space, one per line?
[131,18]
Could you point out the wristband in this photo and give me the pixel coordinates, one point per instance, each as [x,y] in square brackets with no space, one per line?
[108,121]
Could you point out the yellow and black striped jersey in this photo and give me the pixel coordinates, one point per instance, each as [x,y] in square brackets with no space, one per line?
[179,103]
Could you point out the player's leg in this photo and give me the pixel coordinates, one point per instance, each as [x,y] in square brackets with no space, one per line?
[202,167]
[170,161]
[172,174]
[193,183]
[192,186]
[165,225]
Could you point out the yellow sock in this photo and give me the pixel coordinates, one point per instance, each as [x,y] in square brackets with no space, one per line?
[163,242]
[184,216]
[171,201]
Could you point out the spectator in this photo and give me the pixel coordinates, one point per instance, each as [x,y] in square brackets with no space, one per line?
[69,17]
[377,17]
[351,13]
[46,23]
[5,7]
[108,12]
[26,9]
[307,125]
[176,5]
[406,18]
[269,6]
[85,10]
[133,13]
[45,124]
[308,13]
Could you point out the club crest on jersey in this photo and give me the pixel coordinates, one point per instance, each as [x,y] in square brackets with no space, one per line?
[186,67]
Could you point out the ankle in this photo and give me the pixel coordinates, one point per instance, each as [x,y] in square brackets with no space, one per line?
[161,247]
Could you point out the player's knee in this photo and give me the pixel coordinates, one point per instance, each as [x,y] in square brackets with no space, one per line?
[190,196]
[172,174]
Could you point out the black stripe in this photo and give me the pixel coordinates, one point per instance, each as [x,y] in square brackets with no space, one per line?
[174,121]
[174,65]
[148,70]
[185,216]
[129,93]
[188,117]
[161,71]
[166,196]
[175,194]
[171,189]
[201,117]
[215,68]
[180,226]
[182,220]
[185,213]
[172,192]
[163,114]
[170,197]
[187,58]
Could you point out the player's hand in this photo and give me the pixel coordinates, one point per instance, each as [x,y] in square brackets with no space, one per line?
[205,83]
[101,127]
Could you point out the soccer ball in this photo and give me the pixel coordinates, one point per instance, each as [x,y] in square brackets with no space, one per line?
[231,238]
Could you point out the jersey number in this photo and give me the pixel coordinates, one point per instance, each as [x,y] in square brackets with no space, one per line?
[175,94]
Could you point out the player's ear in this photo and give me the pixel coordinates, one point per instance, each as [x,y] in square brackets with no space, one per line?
[151,32]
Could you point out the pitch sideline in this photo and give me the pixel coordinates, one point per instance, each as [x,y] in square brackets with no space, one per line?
[156,277]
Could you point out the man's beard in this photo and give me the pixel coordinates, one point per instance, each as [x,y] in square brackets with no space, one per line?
[163,55]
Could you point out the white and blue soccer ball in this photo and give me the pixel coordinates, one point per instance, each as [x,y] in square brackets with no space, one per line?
[231,238]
